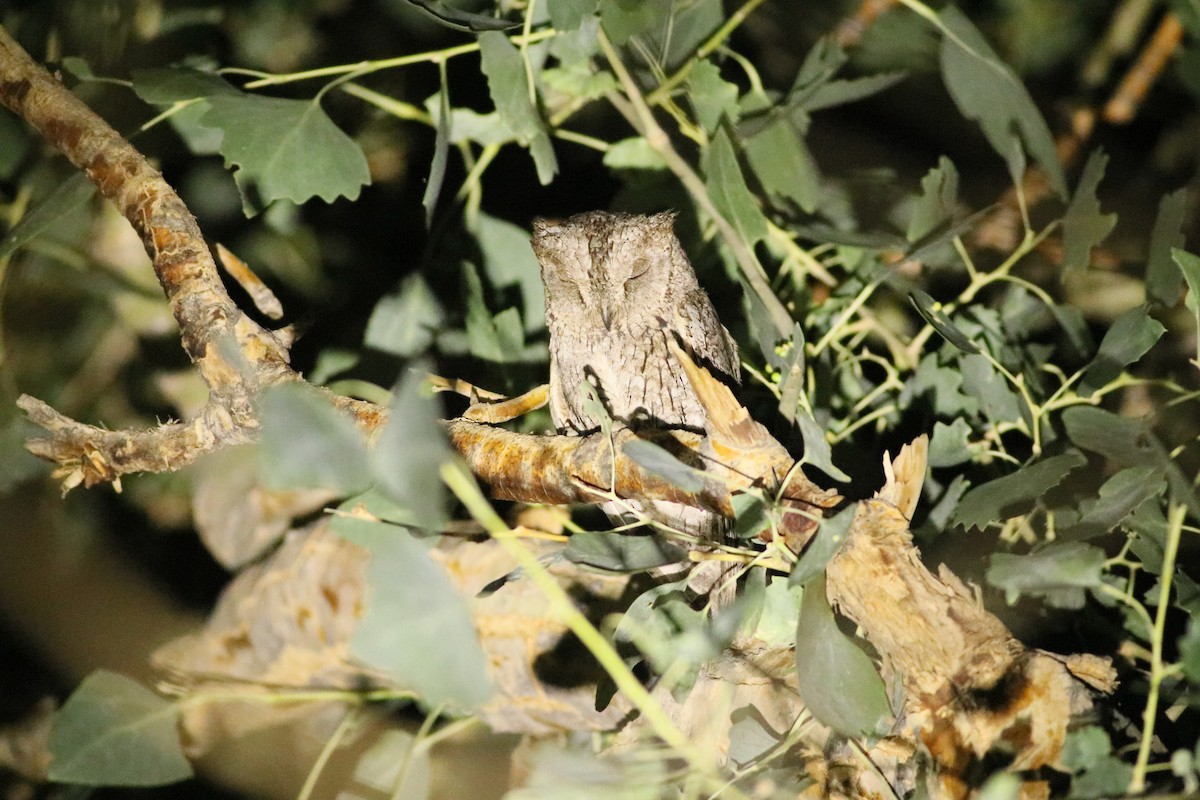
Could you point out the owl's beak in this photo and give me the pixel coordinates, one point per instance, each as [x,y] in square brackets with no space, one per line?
[606,316]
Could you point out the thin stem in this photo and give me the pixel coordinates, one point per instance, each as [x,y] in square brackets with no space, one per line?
[314,774]
[1137,783]
[704,51]
[411,753]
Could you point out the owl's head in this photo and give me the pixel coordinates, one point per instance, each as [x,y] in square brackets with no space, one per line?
[615,269]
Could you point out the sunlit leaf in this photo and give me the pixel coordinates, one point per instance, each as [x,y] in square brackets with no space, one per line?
[285,150]
[817,450]
[657,461]
[404,323]
[1189,651]
[635,153]
[836,679]
[410,450]
[780,612]
[416,627]
[1014,494]
[1084,226]
[927,307]
[987,90]
[622,552]
[1163,279]
[307,443]
[577,773]
[112,731]
[1060,571]
[1128,339]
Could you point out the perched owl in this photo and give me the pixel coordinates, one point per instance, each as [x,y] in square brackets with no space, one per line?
[617,285]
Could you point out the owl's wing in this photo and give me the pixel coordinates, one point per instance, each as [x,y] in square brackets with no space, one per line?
[697,324]
[560,412]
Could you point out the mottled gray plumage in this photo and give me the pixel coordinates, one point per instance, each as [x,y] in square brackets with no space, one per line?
[617,285]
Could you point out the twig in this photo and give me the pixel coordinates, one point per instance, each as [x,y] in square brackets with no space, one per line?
[1123,105]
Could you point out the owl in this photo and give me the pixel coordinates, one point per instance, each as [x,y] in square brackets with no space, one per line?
[617,286]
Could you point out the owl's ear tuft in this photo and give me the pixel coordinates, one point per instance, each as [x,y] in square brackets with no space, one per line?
[664,220]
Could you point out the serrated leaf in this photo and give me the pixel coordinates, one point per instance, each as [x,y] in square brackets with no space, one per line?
[499,338]
[1163,279]
[113,731]
[839,92]
[416,626]
[285,150]
[64,200]
[306,443]
[984,382]
[634,153]
[828,538]
[1116,500]
[163,86]
[621,552]
[1084,226]
[1014,494]
[410,451]
[404,323]
[1130,337]
[579,79]
[658,461]
[1084,748]
[950,444]
[836,679]
[936,205]
[727,188]
[1115,437]
[468,125]
[987,90]
[508,85]
[1059,571]
[927,307]
[459,20]
[782,162]
[712,96]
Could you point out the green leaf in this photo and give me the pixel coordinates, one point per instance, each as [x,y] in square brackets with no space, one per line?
[1084,226]
[417,627]
[1014,494]
[928,308]
[508,85]
[509,261]
[987,90]
[712,96]
[459,20]
[1060,571]
[1189,651]
[559,773]
[839,92]
[782,163]
[950,444]
[1000,786]
[749,737]
[634,153]
[621,552]
[404,323]
[837,680]
[817,450]
[727,188]
[1105,779]
[1130,337]
[1117,499]
[1084,748]
[164,86]
[658,461]
[113,731]
[1189,265]
[1163,279]
[441,152]
[467,125]
[1118,438]
[64,200]
[410,451]
[307,443]
[780,612]
[936,205]
[750,516]
[566,15]
[983,381]
[828,538]
[499,338]
[285,150]
[579,79]
[623,19]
